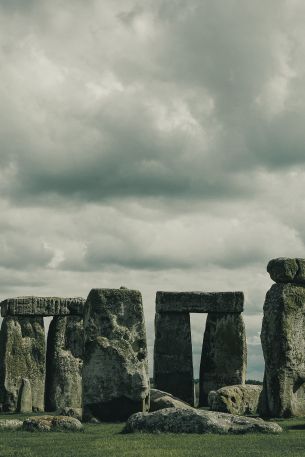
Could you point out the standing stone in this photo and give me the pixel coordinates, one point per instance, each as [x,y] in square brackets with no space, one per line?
[22,356]
[115,371]
[26,397]
[64,363]
[173,360]
[283,342]
[224,354]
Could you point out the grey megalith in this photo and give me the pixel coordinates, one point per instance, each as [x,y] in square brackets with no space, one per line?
[22,356]
[224,345]
[173,360]
[283,341]
[224,354]
[64,363]
[115,371]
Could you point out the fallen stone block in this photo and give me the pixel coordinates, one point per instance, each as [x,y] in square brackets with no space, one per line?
[52,424]
[10,424]
[161,400]
[238,399]
[197,421]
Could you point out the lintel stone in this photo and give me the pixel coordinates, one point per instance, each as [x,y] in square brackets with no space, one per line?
[42,306]
[199,302]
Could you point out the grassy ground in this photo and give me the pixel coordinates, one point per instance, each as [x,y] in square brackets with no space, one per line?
[106,441]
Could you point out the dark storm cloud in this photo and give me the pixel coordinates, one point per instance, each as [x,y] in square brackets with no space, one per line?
[214,100]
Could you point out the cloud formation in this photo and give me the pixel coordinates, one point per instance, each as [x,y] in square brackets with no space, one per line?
[156,145]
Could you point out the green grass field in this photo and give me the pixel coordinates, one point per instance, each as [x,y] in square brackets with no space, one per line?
[105,440]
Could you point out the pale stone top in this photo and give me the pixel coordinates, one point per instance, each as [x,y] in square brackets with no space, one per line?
[199,302]
[42,306]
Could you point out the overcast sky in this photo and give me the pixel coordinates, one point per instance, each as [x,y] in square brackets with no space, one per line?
[155,144]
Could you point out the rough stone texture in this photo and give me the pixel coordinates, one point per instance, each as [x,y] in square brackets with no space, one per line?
[211,396]
[199,302]
[10,424]
[64,363]
[197,421]
[283,342]
[286,270]
[224,354]
[26,397]
[239,399]
[162,400]
[71,412]
[173,359]
[22,355]
[115,371]
[42,306]
[52,424]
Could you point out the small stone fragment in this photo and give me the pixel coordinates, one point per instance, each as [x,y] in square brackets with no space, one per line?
[71,412]
[238,400]
[173,420]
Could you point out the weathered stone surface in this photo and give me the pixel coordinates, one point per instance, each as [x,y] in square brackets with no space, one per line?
[115,371]
[286,270]
[10,424]
[197,421]
[64,363]
[26,397]
[52,424]
[162,400]
[199,302]
[224,354]
[283,342]
[42,306]
[22,355]
[173,359]
[238,400]
[71,412]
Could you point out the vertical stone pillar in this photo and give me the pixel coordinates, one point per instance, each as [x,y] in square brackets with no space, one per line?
[173,360]
[115,371]
[64,363]
[283,340]
[224,353]
[22,363]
